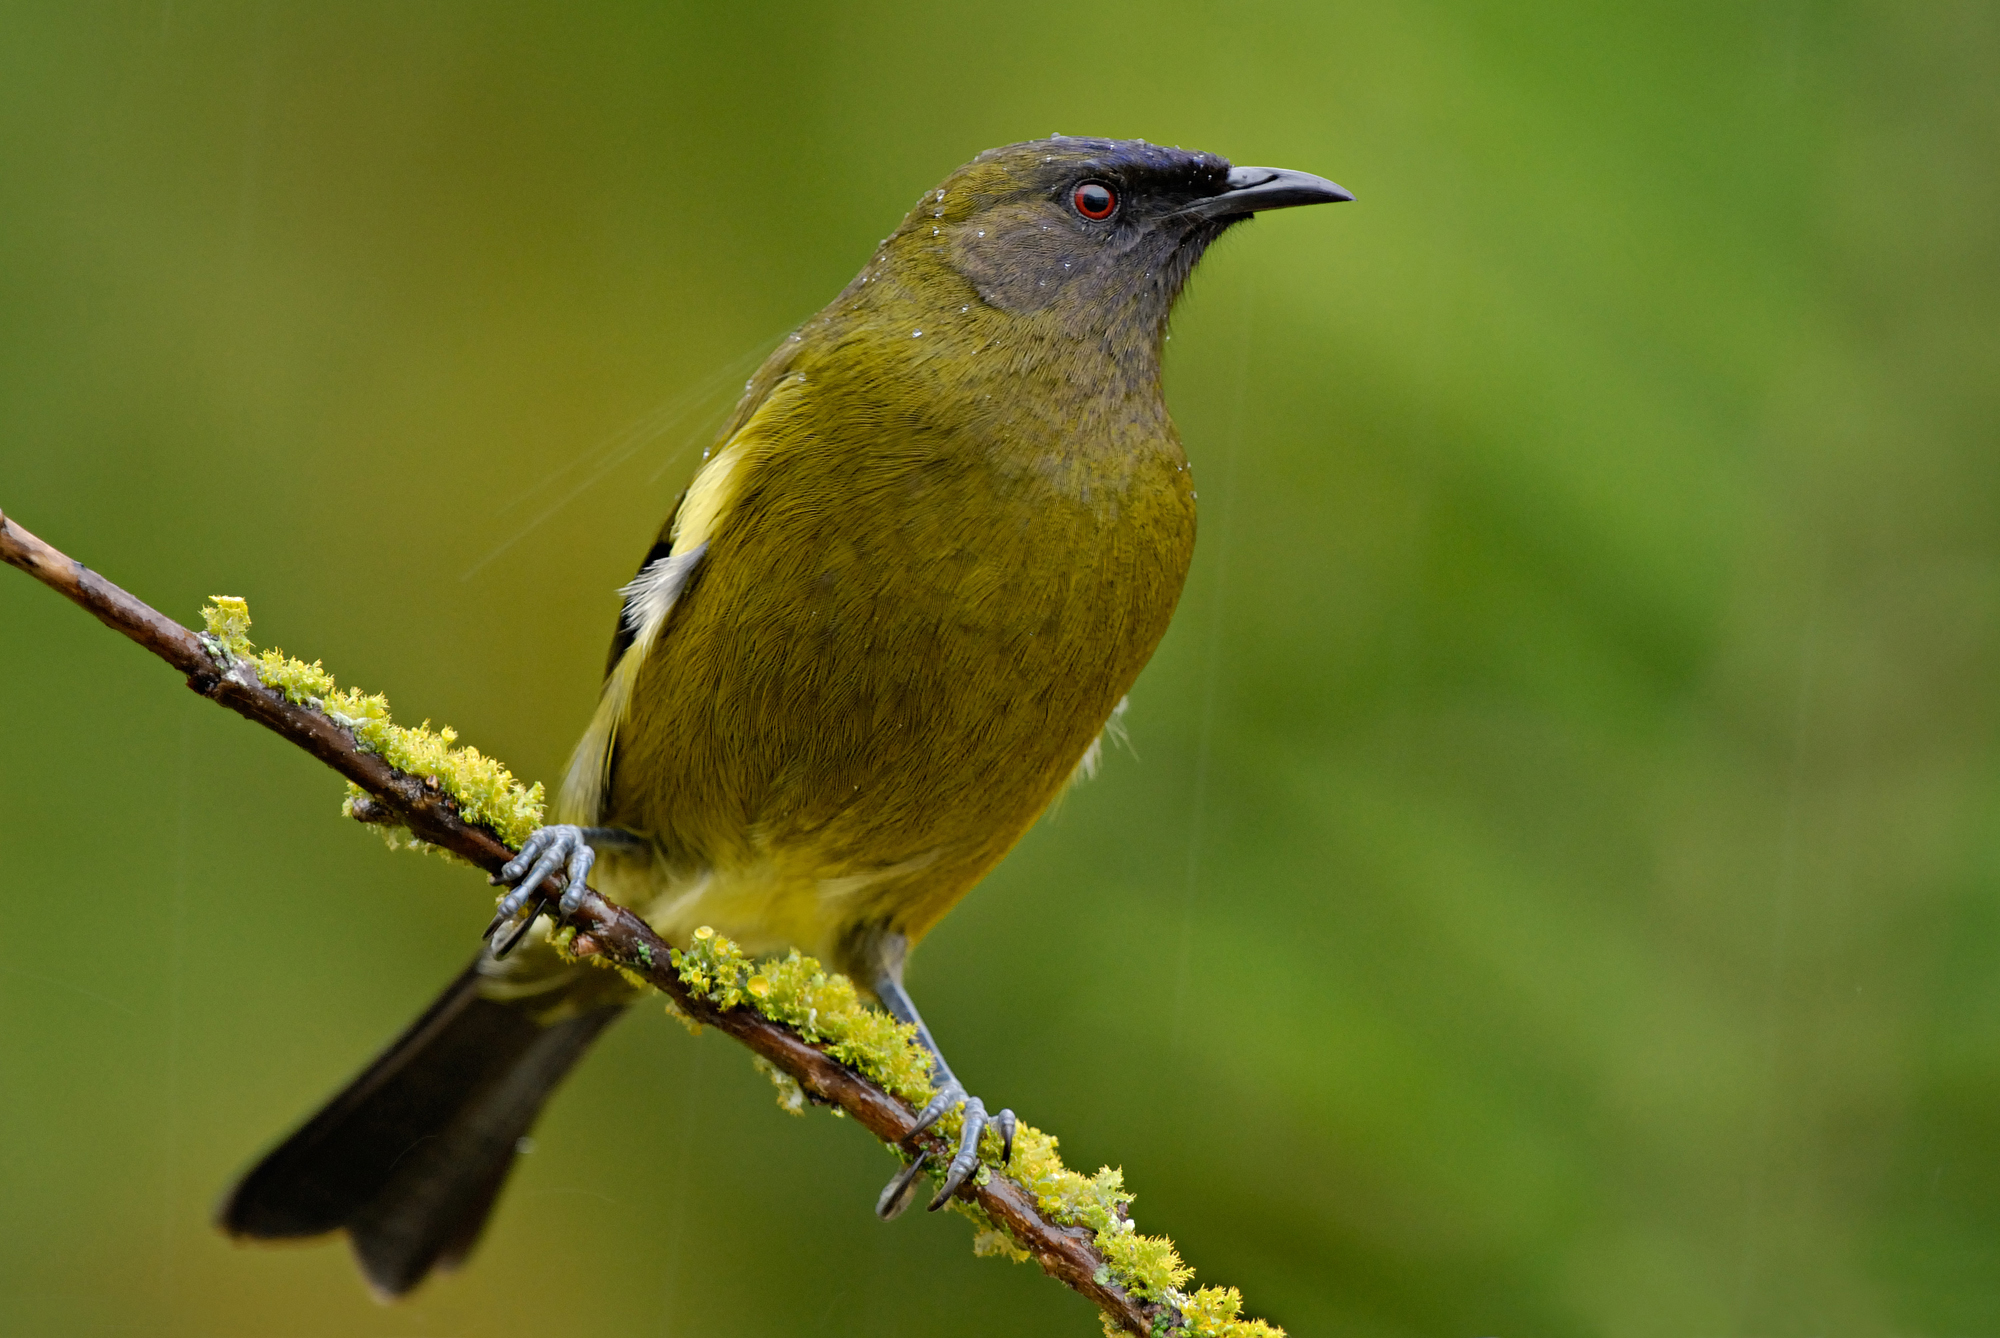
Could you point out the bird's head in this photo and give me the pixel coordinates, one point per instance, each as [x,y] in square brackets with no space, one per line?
[1096,236]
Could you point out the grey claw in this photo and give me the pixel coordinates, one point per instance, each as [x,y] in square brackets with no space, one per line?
[559,852]
[1005,1123]
[549,864]
[947,1096]
[527,923]
[574,885]
[966,1160]
[896,1195]
[510,906]
[512,870]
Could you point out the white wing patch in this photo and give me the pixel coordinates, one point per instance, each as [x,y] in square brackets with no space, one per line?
[650,595]
[649,598]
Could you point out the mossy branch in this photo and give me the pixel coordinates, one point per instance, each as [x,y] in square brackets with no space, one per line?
[808,1028]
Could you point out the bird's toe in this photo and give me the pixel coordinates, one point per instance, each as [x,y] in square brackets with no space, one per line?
[559,851]
[949,1095]
[966,1160]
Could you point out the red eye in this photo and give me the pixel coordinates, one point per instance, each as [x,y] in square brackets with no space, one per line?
[1094,200]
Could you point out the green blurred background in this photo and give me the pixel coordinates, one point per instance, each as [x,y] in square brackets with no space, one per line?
[1554,888]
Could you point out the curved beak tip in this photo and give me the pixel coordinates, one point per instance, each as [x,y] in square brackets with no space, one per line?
[1250,190]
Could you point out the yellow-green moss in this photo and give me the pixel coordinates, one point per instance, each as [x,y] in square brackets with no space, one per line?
[484,790]
[825,1007]
[1212,1313]
[988,1236]
[791,1096]
[299,681]
[228,620]
[821,1006]
[1150,1266]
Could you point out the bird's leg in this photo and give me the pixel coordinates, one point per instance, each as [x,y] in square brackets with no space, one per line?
[949,1094]
[562,849]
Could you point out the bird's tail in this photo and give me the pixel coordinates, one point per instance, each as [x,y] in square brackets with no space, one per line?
[410,1157]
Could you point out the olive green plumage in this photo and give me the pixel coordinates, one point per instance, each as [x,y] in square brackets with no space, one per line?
[954,534]
[929,554]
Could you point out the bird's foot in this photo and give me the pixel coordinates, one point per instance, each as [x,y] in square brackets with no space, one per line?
[900,1192]
[561,849]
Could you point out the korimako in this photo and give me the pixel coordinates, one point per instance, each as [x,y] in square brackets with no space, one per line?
[932,548]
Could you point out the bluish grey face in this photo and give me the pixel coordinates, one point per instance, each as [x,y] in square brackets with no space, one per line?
[1110,228]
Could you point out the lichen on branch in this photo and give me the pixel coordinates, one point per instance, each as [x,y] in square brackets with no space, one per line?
[483,788]
[825,1008]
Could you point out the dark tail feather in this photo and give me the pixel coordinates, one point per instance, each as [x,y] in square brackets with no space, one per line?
[409,1159]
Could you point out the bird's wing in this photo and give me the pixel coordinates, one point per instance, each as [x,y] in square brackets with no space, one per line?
[651,596]
[629,616]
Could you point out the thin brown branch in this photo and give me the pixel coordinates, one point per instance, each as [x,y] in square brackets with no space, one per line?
[1066,1253]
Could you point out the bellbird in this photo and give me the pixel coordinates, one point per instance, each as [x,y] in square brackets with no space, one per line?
[934,545]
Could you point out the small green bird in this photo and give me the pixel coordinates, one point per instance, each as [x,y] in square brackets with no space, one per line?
[885,625]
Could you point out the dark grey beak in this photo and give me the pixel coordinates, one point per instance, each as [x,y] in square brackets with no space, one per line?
[1250,190]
